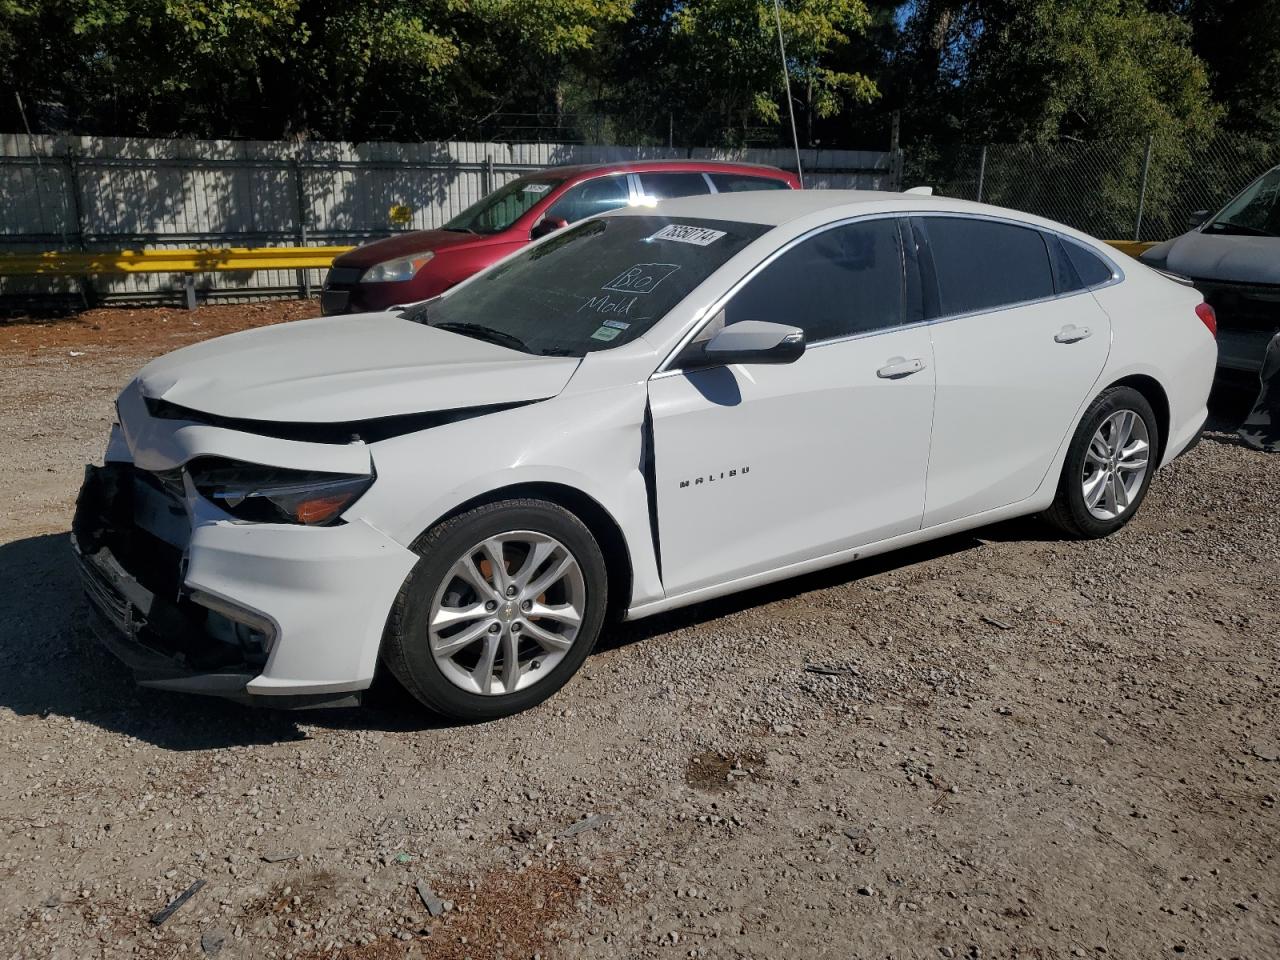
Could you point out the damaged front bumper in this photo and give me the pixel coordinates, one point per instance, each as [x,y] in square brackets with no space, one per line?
[269,614]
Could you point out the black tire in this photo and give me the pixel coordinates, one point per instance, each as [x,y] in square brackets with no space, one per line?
[1069,512]
[405,647]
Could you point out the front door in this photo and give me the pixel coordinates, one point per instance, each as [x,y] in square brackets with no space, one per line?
[761,466]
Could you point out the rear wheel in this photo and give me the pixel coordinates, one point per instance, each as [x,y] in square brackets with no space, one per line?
[502,609]
[1108,466]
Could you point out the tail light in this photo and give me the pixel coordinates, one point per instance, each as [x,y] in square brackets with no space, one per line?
[1208,317]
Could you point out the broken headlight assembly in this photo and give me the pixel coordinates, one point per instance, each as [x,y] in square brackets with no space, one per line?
[261,494]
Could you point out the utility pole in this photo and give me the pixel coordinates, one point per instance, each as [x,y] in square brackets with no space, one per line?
[1142,191]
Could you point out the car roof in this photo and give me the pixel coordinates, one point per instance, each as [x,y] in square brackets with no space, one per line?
[675,166]
[776,207]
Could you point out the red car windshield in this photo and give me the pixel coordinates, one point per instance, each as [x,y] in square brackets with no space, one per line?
[504,206]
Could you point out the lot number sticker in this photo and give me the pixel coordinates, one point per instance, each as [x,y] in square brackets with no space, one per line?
[681,233]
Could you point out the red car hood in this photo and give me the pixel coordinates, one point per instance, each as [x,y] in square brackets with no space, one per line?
[404,244]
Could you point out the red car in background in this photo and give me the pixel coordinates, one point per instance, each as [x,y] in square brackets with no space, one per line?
[421,264]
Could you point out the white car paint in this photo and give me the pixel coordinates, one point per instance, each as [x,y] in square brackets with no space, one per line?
[347,369]
[1031,388]
[804,465]
[848,449]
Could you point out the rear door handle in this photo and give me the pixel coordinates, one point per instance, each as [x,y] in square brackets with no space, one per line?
[898,367]
[1071,334]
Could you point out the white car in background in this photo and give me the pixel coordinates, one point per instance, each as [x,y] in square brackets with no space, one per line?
[636,413]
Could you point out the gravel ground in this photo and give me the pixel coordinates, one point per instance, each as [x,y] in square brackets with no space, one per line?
[998,745]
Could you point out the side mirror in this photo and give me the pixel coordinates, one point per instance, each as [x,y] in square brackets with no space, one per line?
[749,341]
[1195,219]
[545,226]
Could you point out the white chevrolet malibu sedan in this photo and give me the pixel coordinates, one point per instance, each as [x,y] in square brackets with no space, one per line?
[636,413]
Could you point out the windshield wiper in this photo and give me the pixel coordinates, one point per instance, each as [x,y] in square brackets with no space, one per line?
[461,230]
[479,332]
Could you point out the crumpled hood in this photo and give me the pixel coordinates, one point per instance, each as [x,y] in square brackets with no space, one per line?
[1208,256]
[348,368]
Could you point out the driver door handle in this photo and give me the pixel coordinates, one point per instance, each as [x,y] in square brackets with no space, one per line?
[1072,334]
[898,367]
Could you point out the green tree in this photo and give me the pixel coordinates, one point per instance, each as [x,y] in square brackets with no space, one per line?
[728,56]
[351,69]
[1086,69]
[1239,41]
[1041,70]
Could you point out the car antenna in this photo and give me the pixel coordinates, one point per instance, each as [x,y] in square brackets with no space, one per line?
[786,79]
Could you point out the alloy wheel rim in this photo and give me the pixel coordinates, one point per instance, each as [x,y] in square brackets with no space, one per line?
[507,612]
[1115,465]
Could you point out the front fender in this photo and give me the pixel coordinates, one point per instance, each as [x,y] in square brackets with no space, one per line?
[588,442]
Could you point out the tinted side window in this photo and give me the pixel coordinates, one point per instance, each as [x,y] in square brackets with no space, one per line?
[843,281]
[661,186]
[1089,266]
[735,183]
[982,265]
[589,198]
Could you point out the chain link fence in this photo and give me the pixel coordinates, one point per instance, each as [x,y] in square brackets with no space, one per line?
[1137,189]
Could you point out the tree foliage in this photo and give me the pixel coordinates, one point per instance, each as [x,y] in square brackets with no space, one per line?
[699,71]
[729,56]
[327,68]
[1040,70]
[1239,42]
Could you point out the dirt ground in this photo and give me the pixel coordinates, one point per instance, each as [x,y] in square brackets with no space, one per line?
[999,745]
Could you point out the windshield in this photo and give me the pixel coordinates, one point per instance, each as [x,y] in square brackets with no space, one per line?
[504,206]
[597,285]
[1256,212]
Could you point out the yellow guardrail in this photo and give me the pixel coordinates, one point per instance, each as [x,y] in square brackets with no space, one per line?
[1131,247]
[76,264]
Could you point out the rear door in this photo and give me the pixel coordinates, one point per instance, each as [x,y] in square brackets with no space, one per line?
[760,466]
[1019,346]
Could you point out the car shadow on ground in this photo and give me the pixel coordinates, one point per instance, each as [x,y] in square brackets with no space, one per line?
[627,633]
[50,664]
[1230,401]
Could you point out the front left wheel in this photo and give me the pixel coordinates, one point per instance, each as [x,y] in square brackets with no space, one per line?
[501,610]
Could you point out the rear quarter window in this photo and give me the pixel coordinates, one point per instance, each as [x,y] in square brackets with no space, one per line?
[1092,269]
[737,183]
[985,265]
[664,186]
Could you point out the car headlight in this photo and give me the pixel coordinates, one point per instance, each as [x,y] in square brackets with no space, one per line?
[260,494]
[404,268]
